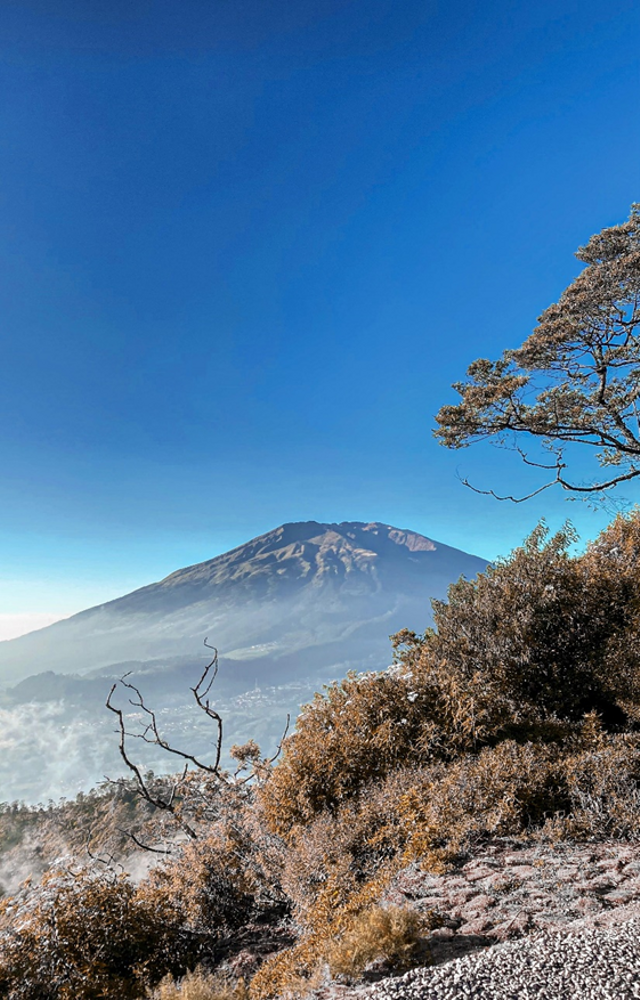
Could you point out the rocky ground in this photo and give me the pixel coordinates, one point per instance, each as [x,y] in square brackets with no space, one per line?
[543,892]
[510,889]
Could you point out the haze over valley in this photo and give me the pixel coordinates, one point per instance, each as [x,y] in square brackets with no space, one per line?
[289,611]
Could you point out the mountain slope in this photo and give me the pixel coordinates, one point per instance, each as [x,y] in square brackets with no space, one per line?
[289,611]
[299,587]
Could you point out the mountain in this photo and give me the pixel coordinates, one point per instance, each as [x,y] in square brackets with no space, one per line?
[300,587]
[288,611]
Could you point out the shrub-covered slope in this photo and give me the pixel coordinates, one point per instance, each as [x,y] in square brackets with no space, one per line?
[515,716]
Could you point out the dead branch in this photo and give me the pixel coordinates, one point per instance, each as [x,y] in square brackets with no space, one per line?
[142,788]
[172,802]
[145,847]
[558,480]
[108,862]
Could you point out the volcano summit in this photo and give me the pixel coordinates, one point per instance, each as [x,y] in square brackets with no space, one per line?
[299,588]
[289,611]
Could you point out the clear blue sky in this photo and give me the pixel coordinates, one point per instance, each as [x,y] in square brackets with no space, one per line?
[247,245]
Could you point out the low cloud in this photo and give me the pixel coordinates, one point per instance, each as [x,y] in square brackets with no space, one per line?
[46,753]
[12,626]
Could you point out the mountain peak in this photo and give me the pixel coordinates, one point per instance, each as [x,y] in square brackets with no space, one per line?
[302,585]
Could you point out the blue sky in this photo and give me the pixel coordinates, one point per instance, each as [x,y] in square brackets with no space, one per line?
[247,245]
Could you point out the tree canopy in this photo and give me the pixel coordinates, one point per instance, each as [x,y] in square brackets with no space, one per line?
[575,379]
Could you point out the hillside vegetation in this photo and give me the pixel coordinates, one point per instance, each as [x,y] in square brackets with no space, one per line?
[517,714]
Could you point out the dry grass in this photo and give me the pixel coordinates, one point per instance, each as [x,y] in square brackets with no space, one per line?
[391,934]
[200,985]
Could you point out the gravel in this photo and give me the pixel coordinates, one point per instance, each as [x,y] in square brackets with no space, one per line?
[588,964]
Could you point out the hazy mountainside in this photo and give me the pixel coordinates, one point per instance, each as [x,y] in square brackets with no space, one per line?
[298,587]
[290,610]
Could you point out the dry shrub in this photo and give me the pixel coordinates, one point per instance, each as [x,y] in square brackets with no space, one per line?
[221,881]
[292,974]
[332,858]
[521,653]
[504,791]
[603,784]
[392,934]
[199,985]
[205,888]
[351,735]
[93,934]
[85,935]
[611,565]
[367,726]
[338,865]
[537,627]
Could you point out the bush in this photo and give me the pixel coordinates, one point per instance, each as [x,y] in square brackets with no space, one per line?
[516,713]
[223,880]
[391,934]
[523,652]
[85,935]
[536,629]
[199,985]
[603,785]
[365,727]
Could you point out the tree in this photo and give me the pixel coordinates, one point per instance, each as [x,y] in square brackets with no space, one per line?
[575,380]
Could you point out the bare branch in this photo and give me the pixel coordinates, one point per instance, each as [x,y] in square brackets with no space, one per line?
[492,493]
[559,480]
[200,693]
[109,862]
[145,847]
[142,787]
[186,794]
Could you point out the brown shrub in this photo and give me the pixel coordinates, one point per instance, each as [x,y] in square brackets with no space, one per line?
[392,934]
[367,726]
[603,786]
[226,878]
[537,628]
[85,935]
[522,652]
[199,985]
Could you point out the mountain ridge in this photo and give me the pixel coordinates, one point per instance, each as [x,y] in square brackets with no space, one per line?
[293,587]
[289,611]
